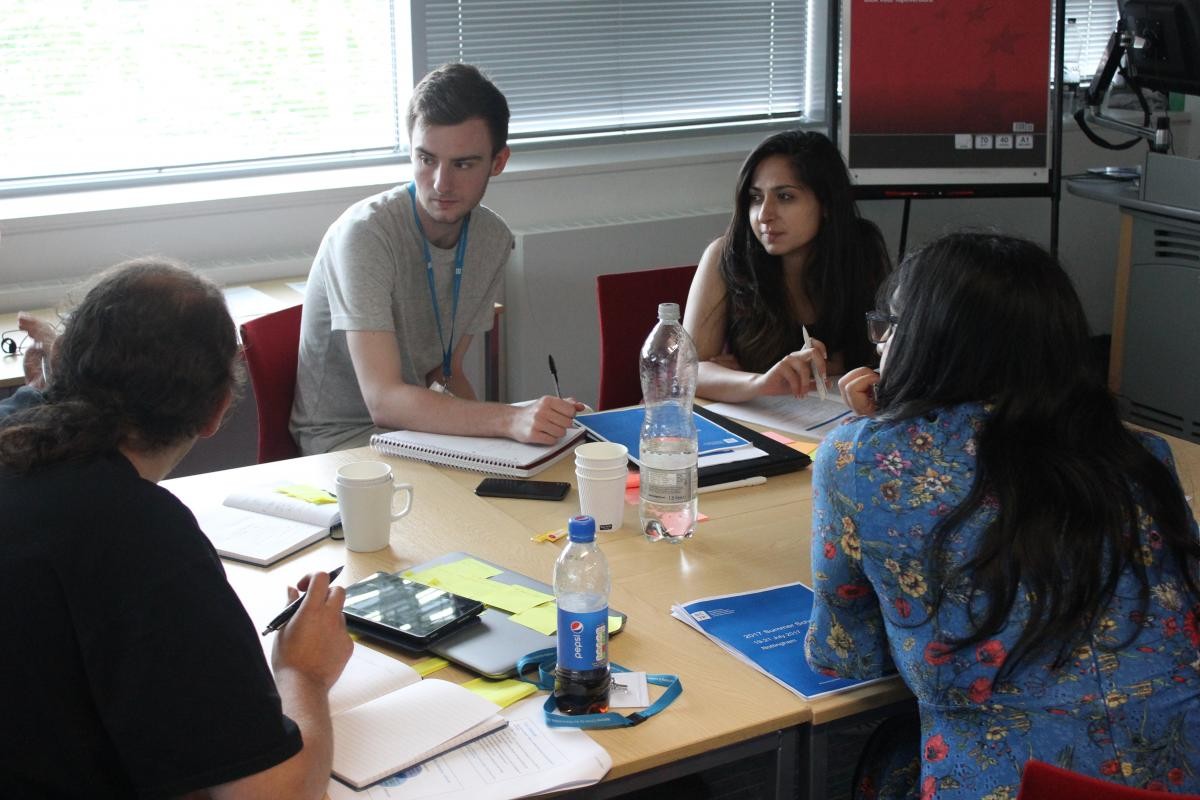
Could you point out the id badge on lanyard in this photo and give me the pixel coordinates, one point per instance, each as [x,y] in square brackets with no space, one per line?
[460,254]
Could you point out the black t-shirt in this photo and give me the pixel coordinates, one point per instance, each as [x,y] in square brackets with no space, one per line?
[129,665]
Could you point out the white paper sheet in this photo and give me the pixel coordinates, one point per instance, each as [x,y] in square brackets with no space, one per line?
[523,759]
[809,417]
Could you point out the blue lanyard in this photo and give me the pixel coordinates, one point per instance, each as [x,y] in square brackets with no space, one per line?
[544,661]
[459,256]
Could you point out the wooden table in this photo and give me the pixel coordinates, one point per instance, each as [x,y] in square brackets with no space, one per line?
[754,537]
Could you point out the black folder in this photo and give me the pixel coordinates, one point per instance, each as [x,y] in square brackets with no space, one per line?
[779,458]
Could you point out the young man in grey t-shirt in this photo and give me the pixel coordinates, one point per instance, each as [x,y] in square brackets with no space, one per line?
[404,279]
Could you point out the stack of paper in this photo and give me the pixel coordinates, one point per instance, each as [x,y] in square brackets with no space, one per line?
[808,417]
[525,758]
[386,719]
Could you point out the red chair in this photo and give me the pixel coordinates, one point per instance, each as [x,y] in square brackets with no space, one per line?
[1041,781]
[271,345]
[628,306]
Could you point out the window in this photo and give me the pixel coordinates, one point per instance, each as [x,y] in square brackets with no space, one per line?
[1089,24]
[619,65]
[135,89]
[117,85]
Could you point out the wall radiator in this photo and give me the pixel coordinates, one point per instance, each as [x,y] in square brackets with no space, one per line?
[550,291]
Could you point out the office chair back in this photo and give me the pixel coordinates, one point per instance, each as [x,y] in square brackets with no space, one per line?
[628,306]
[1041,781]
[271,345]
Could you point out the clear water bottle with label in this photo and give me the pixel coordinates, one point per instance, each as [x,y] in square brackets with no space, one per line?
[667,509]
[581,586]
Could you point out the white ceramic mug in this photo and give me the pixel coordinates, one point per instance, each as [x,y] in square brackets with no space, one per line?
[365,491]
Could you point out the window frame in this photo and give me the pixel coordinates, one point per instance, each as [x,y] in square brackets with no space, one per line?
[398,156]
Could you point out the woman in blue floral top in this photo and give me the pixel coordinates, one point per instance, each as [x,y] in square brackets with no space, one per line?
[992,531]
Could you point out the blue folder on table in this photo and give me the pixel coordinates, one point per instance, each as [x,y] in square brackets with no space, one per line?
[624,426]
[776,458]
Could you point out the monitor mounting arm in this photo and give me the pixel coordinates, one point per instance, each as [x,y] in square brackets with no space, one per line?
[1122,40]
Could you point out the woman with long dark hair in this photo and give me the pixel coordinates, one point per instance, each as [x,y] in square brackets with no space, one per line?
[796,254]
[132,667]
[994,532]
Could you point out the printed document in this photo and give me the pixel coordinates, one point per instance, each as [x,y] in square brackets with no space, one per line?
[522,759]
[808,417]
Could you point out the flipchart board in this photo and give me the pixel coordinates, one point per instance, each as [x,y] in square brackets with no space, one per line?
[947,97]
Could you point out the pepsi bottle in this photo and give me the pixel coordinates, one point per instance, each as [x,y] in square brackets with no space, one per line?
[581,586]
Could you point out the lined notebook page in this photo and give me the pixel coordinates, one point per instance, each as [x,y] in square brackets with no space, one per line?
[368,674]
[256,538]
[400,729]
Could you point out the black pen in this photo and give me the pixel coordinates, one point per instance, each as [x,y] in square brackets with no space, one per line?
[554,373]
[283,616]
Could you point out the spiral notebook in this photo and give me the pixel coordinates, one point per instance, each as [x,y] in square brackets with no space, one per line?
[478,453]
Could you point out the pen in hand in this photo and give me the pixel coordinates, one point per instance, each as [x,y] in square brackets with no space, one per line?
[554,374]
[282,617]
[821,393]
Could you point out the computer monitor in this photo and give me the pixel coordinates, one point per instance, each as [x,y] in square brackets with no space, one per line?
[1165,53]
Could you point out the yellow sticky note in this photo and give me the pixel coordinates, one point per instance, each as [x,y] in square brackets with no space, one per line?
[309,494]
[503,692]
[808,448]
[462,573]
[543,618]
[473,568]
[513,599]
[430,665]
[474,588]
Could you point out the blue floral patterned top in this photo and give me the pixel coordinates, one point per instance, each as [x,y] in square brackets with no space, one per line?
[1132,715]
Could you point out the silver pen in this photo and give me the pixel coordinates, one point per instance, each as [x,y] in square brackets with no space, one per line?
[821,393]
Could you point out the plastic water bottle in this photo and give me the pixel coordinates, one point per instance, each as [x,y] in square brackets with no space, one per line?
[667,509]
[581,585]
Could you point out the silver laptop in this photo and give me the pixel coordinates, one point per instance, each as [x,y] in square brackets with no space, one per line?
[493,646]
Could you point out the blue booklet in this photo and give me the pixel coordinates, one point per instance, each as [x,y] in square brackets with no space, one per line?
[624,426]
[765,629]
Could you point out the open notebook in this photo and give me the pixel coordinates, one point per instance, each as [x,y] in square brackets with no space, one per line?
[262,525]
[482,454]
[386,719]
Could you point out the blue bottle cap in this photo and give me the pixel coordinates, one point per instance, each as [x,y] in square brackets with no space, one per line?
[582,529]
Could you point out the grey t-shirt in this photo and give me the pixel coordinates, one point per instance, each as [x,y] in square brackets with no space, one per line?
[370,275]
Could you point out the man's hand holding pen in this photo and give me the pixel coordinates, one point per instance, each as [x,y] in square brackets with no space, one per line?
[545,420]
[313,645]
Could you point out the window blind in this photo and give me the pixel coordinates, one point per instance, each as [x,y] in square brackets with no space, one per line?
[93,86]
[1089,24]
[622,65]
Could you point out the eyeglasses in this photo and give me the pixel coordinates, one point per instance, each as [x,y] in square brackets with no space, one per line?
[880,326]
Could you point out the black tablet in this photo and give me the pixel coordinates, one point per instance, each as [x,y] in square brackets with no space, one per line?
[406,614]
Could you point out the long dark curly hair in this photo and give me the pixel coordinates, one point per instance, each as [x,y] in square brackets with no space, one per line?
[849,262]
[146,360]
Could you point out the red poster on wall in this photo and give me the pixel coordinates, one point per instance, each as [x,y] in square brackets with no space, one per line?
[947,91]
